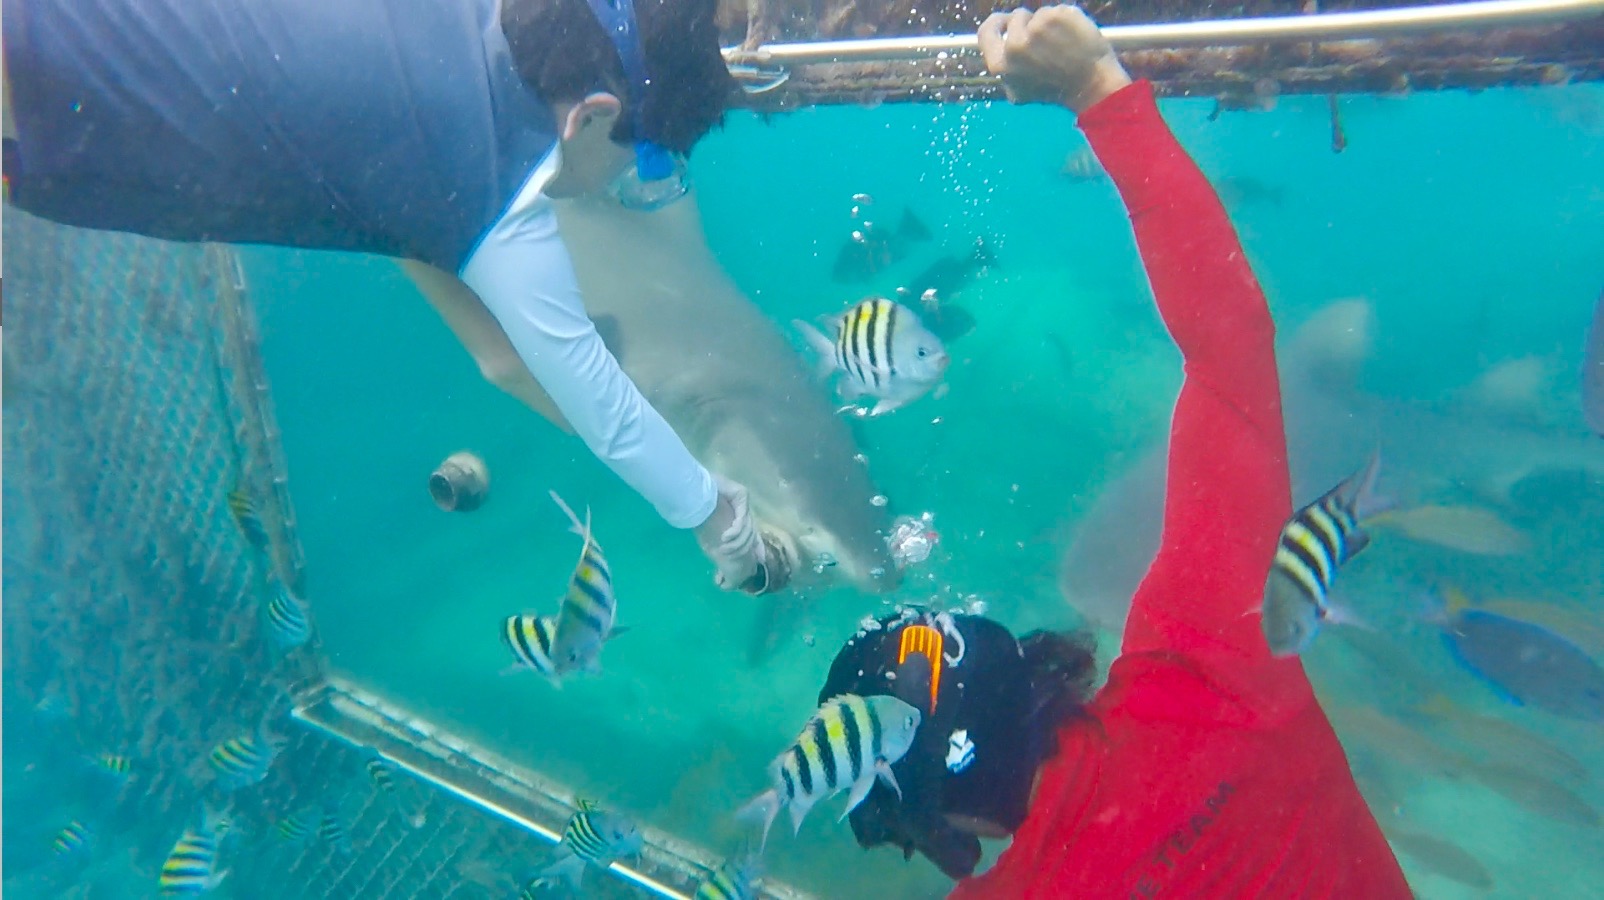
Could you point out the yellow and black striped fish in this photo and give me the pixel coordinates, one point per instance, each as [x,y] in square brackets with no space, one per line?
[247,518]
[114,764]
[1318,540]
[333,832]
[243,760]
[530,638]
[585,621]
[592,836]
[287,619]
[882,350]
[294,828]
[849,742]
[382,774]
[734,880]
[191,867]
[72,838]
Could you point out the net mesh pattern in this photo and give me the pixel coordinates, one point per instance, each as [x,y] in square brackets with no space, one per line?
[135,403]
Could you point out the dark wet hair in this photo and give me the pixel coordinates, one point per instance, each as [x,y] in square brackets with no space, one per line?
[1063,667]
[563,53]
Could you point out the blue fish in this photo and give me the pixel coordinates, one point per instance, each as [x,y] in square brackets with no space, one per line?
[1527,664]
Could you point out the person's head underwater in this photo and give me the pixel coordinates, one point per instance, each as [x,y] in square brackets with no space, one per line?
[992,706]
[634,84]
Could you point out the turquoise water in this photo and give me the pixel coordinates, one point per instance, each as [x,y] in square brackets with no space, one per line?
[1472,224]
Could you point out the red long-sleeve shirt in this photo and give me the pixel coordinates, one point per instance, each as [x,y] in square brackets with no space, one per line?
[1206,767]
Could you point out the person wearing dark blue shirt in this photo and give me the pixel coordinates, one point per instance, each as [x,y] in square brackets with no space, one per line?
[435,133]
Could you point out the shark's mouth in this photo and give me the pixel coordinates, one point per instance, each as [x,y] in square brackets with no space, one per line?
[792,563]
[779,562]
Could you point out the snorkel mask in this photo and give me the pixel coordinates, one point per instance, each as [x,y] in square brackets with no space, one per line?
[659,176]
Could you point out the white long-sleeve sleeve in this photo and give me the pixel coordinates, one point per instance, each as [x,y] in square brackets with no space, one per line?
[522,272]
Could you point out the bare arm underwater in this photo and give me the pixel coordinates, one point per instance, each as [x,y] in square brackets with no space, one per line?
[481,335]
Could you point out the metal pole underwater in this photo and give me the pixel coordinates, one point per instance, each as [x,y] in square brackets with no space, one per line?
[1337,26]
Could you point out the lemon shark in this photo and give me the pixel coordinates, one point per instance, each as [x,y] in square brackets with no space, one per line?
[730,384]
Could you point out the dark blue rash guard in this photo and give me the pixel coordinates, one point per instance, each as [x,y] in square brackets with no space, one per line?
[398,128]
[395,127]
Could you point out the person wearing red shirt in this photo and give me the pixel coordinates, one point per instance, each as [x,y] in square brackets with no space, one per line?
[1203,767]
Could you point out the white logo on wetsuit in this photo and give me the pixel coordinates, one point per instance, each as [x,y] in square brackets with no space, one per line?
[960,751]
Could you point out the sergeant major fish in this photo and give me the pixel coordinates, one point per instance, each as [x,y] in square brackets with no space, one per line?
[529,638]
[247,518]
[331,830]
[288,624]
[592,836]
[849,742]
[1318,540]
[116,765]
[296,828]
[734,880]
[72,838]
[882,350]
[191,867]
[383,776]
[245,760]
[585,620]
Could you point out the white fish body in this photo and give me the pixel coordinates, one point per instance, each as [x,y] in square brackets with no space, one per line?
[882,350]
[592,836]
[837,751]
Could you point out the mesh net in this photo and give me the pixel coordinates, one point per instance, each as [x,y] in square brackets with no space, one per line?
[134,405]
[132,600]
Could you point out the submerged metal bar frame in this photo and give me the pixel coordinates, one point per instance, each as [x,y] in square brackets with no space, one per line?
[1367,24]
[479,778]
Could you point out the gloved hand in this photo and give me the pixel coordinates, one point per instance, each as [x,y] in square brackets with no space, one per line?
[730,540]
[1053,55]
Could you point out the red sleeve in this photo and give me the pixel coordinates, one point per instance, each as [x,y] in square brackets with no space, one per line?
[1227,493]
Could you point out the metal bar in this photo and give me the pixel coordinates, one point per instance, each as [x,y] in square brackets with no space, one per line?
[1380,23]
[480,779]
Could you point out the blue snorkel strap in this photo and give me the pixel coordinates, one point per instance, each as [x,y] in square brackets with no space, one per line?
[617,18]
